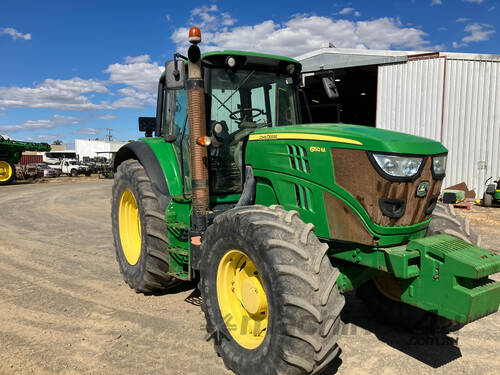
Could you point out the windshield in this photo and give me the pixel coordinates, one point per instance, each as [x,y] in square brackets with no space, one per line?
[73,163]
[244,99]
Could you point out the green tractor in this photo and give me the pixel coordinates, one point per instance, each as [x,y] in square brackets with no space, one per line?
[10,155]
[491,196]
[277,219]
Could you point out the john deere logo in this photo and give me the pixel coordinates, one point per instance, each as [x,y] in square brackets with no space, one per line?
[422,189]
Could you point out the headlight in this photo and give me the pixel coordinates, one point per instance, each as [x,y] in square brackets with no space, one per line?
[398,166]
[439,165]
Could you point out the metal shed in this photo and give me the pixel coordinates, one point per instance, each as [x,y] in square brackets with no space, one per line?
[450,97]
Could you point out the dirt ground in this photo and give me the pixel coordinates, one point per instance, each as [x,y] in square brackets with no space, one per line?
[65,309]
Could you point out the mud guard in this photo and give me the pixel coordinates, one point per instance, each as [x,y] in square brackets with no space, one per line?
[144,154]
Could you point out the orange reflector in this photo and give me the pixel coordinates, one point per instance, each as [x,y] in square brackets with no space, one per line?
[194,35]
[204,141]
[196,240]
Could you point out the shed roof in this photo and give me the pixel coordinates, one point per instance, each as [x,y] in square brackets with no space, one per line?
[336,58]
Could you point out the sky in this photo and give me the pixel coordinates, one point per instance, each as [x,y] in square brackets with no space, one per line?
[73,69]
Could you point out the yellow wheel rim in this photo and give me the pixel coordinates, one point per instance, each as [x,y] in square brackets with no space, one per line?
[242,299]
[389,286]
[130,227]
[5,171]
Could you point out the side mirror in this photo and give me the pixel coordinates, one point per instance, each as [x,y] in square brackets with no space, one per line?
[330,87]
[175,74]
[148,125]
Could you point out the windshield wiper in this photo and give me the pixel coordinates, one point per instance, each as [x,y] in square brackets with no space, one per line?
[239,87]
[221,104]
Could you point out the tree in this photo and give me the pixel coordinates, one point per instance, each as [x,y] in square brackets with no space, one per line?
[57,142]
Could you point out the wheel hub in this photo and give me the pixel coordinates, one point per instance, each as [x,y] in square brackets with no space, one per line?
[253,296]
[5,171]
[242,299]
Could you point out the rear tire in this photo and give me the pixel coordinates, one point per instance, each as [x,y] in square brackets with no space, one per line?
[148,271]
[386,306]
[302,299]
[7,171]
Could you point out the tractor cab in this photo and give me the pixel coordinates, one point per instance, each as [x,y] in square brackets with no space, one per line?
[244,91]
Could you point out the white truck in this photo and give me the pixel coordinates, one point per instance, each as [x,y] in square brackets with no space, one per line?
[72,167]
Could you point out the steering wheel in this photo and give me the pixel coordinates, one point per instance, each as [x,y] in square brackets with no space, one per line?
[234,115]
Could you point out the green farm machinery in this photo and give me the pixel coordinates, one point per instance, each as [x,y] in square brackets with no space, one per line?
[10,155]
[277,219]
[491,196]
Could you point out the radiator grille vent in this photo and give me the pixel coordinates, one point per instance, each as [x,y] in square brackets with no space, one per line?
[298,158]
[303,196]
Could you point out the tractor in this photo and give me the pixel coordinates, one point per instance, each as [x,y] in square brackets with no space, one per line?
[278,219]
[491,196]
[10,155]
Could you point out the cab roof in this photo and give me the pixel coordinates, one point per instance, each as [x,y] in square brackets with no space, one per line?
[249,60]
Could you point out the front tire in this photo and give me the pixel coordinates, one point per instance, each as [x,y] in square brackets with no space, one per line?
[139,231]
[7,172]
[74,173]
[276,309]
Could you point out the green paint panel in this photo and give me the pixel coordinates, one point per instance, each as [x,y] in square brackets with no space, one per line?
[13,149]
[246,53]
[165,154]
[371,139]
[442,274]
[288,172]
[453,280]
[177,218]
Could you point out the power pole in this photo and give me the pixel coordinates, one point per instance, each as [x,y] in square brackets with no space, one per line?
[109,136]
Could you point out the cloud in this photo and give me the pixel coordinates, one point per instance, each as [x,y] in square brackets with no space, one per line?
[57,120]
[302,34]
[436,2]
[136,72]
[134,98]
[14,33]
[88,131]
[45,137]
[463,19]
[474,1]
[107,117]
[209,18]
[478,32]
[346,11]
[55,94]
[137,59]
[137,76]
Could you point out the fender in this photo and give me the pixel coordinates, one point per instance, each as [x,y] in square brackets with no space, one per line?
[141,152]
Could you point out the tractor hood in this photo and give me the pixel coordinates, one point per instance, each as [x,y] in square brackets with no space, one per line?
[354,136]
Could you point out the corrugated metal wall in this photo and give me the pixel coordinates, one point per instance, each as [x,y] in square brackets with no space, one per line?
[410,99]
[472,121]
[29,159]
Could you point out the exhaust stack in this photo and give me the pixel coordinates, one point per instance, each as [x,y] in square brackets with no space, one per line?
[197,129]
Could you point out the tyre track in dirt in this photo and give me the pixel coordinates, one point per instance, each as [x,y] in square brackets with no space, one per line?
[64,305]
